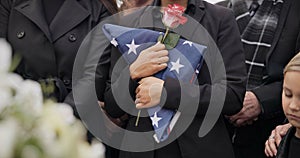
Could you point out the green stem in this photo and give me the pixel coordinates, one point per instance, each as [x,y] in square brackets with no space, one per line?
[165,35]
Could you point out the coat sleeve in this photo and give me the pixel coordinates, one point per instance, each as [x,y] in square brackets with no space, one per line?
[119,95]
[232,85]
[5,6]
[269,95]
[101,72]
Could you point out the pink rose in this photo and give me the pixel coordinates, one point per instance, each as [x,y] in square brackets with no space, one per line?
[172,16]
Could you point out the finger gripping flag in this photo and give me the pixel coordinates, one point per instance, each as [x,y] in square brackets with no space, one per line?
[184,62]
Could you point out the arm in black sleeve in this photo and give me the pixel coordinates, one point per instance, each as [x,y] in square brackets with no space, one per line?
[120,88]
[269,97]
[103,63]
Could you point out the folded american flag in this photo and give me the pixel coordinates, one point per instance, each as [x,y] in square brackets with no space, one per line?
[184,62]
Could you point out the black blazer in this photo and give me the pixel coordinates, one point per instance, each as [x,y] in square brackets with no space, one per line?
[48,51]
[222,28]
[286,44]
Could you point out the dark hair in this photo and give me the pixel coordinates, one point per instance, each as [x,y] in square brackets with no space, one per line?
[110,5]
[128,4]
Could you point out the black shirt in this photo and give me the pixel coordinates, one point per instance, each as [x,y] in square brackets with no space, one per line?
[51,7]
[294,149]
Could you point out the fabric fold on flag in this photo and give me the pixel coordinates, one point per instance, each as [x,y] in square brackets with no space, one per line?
[185,60]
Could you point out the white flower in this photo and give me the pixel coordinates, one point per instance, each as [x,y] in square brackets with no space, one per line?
[29,97]
[54,131]
[11,80]
[66,112]
[5,99]
[5,55]
[9,83]
[52,126]
[31,151]
[98,150]
[8,137]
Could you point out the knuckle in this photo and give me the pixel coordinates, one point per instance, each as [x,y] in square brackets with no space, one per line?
[162,46]
[165,52]
[278,127]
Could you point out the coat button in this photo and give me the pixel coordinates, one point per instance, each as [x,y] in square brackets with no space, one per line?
[72,38]
[20,34]
[67,82]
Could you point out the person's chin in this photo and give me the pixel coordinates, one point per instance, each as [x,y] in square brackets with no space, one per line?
[294,120]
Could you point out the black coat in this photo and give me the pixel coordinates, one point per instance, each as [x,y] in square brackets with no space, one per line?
[222,28]
[286,44]
[283,149]
[48,51]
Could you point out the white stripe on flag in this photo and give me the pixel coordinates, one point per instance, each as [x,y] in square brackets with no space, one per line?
[155,138]
[254,63]
[241,16]
[256,43]
[174,120]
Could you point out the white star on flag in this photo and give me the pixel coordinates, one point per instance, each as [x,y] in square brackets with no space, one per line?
[188,42]
[132,47]
[176,66]
[114,42]
[155,119]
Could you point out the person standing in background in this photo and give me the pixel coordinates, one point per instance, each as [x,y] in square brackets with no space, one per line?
[224,32]
[47,35]
[270,35]
[290,144]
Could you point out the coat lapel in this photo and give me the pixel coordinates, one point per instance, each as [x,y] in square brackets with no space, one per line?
[280,25]
[147,17]
[199,11]
[69,15]
[33,10]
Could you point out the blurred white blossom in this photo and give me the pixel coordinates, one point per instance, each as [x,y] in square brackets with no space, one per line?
[98,150]
[5,99]
[32,128]
[66,112]
[29,95]
[8,137]
[5,55]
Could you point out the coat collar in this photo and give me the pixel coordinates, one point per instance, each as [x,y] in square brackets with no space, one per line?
[193,2]
[33,10]
[69,15]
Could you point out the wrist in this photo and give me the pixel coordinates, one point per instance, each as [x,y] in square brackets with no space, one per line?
[133,73]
